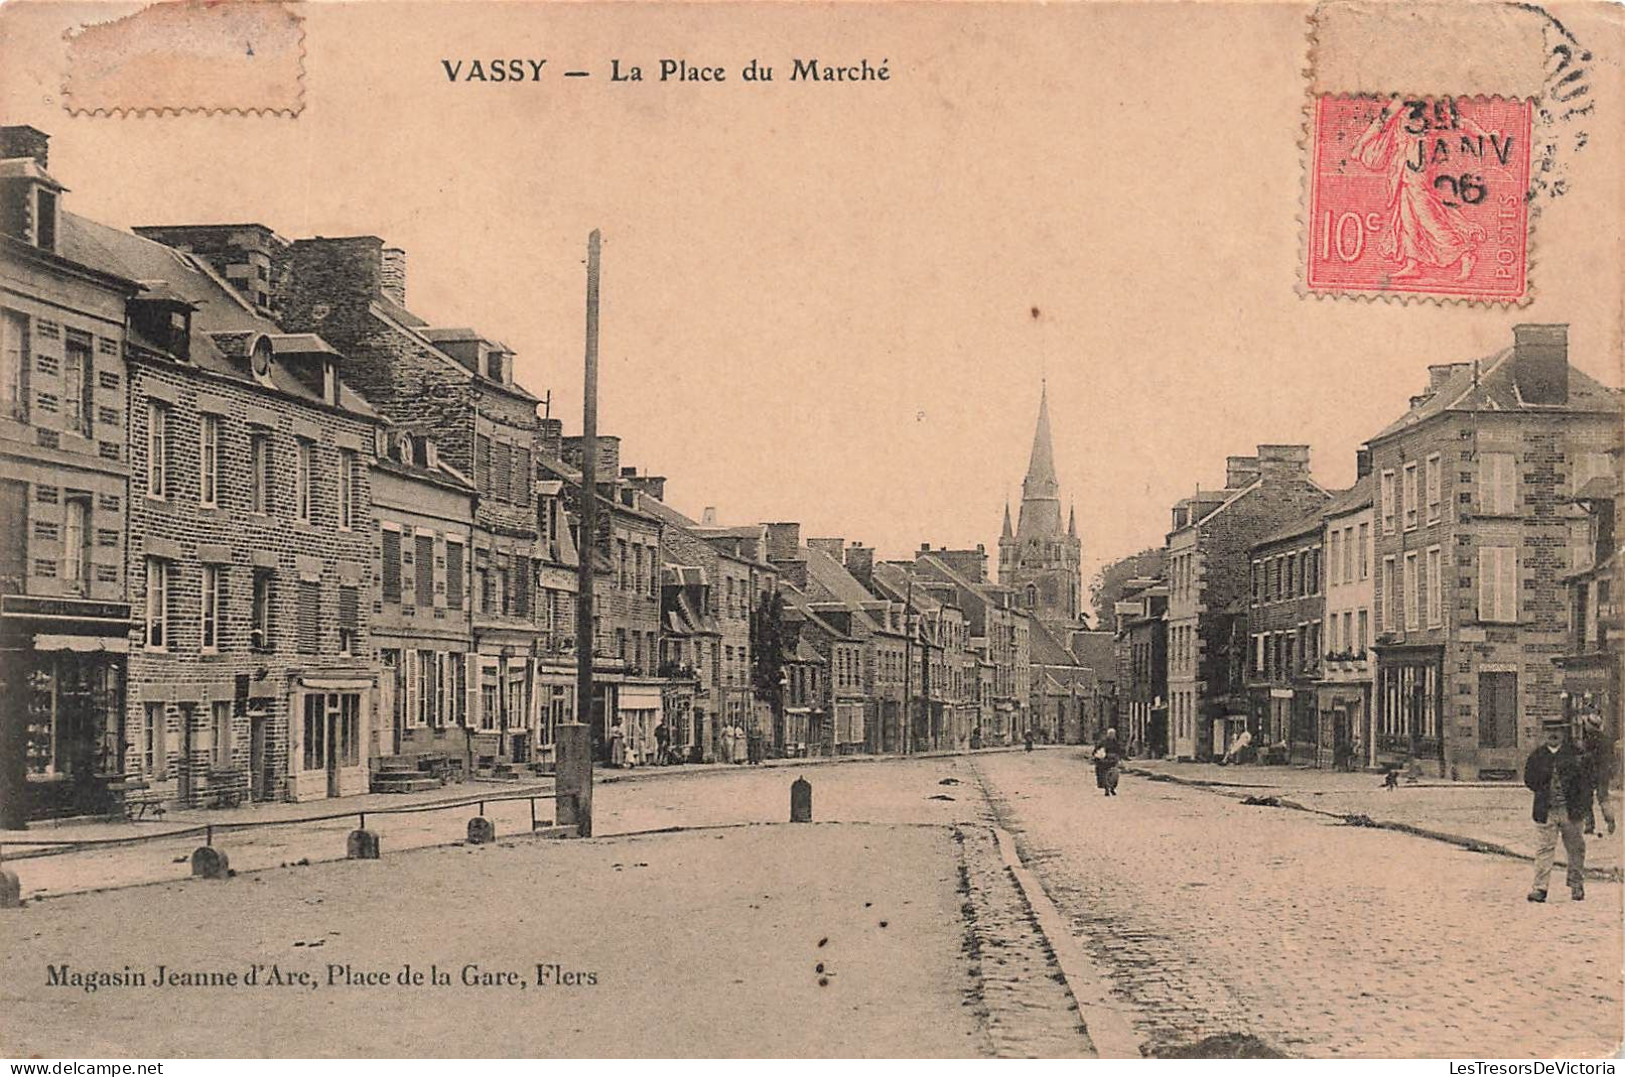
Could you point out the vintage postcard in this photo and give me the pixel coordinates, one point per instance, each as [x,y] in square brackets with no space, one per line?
[804,530]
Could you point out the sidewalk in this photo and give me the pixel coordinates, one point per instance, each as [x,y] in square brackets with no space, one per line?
[1490,816]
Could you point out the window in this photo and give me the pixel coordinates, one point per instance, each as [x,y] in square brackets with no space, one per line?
[482,463]
[523,477]
[502,470]
[1497,710]
[1411,618]
[309,632]
[1498,583]
[157,449]
[1365,551]
[259,474]
[209,633]
[349,620]
[154,734]
[315,732]
[1435,587]
[1434,487]
[15,358]
[390,565]
[78,384]
[260,627]
[303,451]
[223,736]
[1336,551]
[75,544]
[423,558]
[208,459]
[157,616]
[45,219]
[454,575]
[620,578]
[1498,483]
[1408,493]
[1388,502]
[1365,624]
[346,488]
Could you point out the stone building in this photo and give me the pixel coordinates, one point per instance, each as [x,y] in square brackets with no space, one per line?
[1208,575]
[998,631]
[424,512]
[1472,546]
[1591,660]
[1038,560]
[835,721]
[1285,615]
[64,609]
[251,543]
[1142,664]
[1349,671]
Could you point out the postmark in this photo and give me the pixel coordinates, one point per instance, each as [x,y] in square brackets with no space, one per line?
[1419,195]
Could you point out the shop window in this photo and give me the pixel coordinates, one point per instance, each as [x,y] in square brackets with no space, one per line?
[224,736]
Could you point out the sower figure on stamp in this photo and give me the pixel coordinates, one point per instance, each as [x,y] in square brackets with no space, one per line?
[1420,228]
[1558,776]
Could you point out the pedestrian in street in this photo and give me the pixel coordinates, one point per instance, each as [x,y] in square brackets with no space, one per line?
[1237,746]
[1027,738]
[1107,758]
[662,744]
[1599,758]
[1557,774]
[617,744]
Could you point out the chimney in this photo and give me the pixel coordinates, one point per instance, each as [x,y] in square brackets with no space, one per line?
[860,562]
[650,485]
[784,542]
[392,275]
[1239,471]
[24,141]
[609,455]
[1283,461]
[834,547]
[1440,373]
[551,439]
[1540,363]
[1362,462]
[331,280]
[708,518]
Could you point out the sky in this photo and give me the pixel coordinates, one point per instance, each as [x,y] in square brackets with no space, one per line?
[836,304]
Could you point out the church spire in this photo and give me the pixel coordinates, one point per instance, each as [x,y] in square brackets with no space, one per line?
[1008,533]
[1040,481]
[1072,520]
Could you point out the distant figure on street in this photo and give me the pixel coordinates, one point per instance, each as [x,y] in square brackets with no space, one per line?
[1599,758]
[1027,738]
[662,744]
[617,744]
[1557,774]
[1108,756]
[1233,753]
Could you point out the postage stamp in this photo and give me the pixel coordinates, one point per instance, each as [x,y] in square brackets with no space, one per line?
[1420,195]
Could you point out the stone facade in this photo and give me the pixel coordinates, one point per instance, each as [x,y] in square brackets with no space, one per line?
[1285,617]
[1474,539]
[1344,696]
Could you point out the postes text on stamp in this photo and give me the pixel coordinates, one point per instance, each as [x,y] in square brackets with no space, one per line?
[1420,195]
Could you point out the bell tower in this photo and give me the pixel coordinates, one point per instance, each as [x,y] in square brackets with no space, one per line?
[1040,559]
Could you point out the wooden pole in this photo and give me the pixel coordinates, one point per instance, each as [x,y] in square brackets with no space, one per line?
[580,781]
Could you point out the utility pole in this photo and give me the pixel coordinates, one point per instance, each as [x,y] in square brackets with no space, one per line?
[574,781]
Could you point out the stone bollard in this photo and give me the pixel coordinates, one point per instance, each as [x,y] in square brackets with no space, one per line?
[481,831]
[11,890]
[362,845]
[210,863]
[572,776]
[801,801]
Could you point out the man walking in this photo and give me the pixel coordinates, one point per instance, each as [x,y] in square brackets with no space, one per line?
[1557,775]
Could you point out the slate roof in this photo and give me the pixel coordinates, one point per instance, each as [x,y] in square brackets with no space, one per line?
[222,323]
[1497,390]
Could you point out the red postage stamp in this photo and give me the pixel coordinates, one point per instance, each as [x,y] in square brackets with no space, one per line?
[1421,195]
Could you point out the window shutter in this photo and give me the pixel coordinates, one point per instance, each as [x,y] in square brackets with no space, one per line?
[1506,575]
[349,609]
[502,469]
[471,691]
[424,557]
[309,617]
[521,586]
[454,575]
[482,463]
[412,713]
[524,478]
[392,566]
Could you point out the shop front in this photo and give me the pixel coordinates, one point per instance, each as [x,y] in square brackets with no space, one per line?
[330,715]
[1345,725]
[62,737]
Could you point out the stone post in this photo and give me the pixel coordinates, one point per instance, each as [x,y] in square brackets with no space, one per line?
[210,863]
[572,776]
[801,801]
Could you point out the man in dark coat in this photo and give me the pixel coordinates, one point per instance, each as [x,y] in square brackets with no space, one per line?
[1558,776]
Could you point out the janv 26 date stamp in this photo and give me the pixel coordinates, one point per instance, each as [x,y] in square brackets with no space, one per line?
[1420,195]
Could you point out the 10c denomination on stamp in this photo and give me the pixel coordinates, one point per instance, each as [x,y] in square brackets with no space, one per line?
[1420,195]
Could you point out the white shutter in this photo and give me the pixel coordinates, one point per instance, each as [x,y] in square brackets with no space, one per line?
[410,657]
[471,691]
[1388,502]
[1499,476]
[1506,575]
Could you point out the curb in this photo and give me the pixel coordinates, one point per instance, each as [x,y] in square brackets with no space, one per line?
[1475,845]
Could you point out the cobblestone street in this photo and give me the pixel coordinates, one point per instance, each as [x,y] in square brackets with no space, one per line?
[1200,916]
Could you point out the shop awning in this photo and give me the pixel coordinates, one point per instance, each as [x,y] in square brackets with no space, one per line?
[85,644]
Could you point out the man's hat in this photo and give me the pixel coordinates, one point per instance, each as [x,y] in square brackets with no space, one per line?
[1548,724]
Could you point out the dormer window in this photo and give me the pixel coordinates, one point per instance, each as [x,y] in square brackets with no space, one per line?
[330,383]
[493,365]
[45,203]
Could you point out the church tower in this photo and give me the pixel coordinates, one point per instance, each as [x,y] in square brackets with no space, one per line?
[1040,559]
